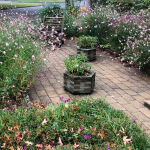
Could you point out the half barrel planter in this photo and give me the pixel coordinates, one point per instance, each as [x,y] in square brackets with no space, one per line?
[79,84]
[89,52]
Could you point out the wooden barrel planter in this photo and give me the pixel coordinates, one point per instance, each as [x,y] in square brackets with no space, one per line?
[89,52]
[79,84]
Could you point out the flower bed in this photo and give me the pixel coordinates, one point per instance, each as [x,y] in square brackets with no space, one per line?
[87,123]
[19,57]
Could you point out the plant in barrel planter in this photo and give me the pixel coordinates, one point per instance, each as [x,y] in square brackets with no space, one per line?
[78,79]
[86,45]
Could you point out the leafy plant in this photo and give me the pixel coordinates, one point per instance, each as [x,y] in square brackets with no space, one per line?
[87,41]
[69,28]
[50,11]
[95,23]
[83,124]
[77,65]
[127,5]
[19,58]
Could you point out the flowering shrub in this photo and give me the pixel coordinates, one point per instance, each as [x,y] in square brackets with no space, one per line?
[83,124]
[126,5]
[69,28]
[131,38]
[87,41]
[77,65]
[95,23]
[50,11]
[19,57]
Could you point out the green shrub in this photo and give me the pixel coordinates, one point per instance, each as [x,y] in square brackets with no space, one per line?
[69,28]
[50,11]
[119,36]
[77,65]
[91,124]
[87,41]
[19,58]
[96,24]
[131,38]
[127,5]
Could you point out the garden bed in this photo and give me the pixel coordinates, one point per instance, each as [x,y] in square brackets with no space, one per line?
[84,124]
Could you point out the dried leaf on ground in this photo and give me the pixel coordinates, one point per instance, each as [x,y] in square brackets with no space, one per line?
[60,142]
[28,143]
[126,140]
[101,134]
[94,130]
[76,145]
[79,130]
[44,122]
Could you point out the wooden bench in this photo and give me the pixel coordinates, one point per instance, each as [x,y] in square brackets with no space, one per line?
[57,22]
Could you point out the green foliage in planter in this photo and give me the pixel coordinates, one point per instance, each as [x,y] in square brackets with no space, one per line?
[77,65]
[50,11]
[96,23]
[91,124]
[87,41]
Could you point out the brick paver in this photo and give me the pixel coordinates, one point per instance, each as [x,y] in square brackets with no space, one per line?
[124,88]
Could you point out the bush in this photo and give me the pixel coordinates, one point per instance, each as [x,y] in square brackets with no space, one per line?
[130,38]
[127,5]
[120,34]
[19,58]
[87,123]
[69,28]
[87,41]
[77,65]
[50,11]
[96,23]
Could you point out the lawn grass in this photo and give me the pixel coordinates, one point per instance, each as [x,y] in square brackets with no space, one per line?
[87,123]
[38,1]
[17,5]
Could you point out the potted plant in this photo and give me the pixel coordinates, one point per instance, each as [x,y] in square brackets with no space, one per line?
[78,79]
[86,45]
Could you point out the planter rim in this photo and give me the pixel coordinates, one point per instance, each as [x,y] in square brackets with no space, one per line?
[73,76]
[85,49]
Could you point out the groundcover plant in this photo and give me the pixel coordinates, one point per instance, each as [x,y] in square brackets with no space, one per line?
[80,124]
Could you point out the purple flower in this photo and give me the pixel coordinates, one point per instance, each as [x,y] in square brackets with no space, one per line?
[26,105]
[108,149]
[67,100]
[52,143]
[80,127]
[61,97]
[134,121]
[24,148]
[9,108]
[30,107]
[86,106]
[86,136]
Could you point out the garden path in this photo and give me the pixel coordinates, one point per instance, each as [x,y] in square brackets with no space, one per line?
[124,88]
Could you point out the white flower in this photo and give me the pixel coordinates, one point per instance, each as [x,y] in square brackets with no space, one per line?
[7,44]
[4,52]
[24,67]
[33,57]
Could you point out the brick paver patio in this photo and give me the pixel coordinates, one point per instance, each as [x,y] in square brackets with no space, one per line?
[124,88]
